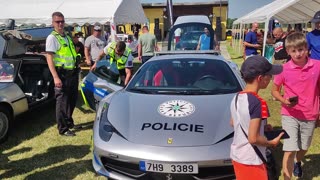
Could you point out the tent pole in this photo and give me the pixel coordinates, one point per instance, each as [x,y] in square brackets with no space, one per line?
[266,25]
[240,38]
[233,35]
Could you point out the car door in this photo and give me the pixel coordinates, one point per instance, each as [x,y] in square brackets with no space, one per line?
[100,82]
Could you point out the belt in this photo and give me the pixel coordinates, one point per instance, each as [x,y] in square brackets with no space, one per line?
[65,72]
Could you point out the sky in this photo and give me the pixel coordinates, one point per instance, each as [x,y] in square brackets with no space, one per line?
[239,8]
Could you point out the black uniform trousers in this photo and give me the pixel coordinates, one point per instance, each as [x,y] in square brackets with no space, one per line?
[66,99]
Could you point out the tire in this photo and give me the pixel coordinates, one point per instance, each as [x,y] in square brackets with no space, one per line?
[4,123]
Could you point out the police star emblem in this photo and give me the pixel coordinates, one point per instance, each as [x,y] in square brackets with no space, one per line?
[170,140]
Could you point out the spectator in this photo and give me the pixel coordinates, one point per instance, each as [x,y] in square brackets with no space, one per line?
[93,45]
[78,45]
[147,45]
[61,58]
[251,41]
[280,53]
[177,34]
[205,39]
[300,79]
[313,38]
[249,113]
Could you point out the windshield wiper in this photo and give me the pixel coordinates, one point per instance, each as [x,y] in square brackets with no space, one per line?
[146,91]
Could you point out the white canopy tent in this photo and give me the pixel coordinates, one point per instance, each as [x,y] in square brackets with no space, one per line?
[285,11]
[75,11]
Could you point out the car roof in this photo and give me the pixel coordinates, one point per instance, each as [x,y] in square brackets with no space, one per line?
[192,19]
[187,55]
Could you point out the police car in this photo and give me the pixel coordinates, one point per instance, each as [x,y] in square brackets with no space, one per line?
[170,122]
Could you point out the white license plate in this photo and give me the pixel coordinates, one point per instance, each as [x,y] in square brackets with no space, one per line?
[183,168]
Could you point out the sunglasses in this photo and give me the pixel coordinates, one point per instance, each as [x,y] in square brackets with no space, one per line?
[58,22]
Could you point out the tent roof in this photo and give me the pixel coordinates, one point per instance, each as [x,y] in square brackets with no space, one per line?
[285,11]
[74,11]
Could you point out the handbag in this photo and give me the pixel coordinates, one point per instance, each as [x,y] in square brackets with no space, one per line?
[270,161]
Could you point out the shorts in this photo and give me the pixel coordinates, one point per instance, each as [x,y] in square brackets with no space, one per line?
[300,132]
[245,172]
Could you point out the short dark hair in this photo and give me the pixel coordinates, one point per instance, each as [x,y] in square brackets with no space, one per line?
[57,13]
[121,46]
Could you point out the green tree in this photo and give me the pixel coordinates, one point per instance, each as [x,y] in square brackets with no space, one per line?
[230,22]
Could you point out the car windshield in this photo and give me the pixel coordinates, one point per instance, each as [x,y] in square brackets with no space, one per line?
[7,71]
[185,76]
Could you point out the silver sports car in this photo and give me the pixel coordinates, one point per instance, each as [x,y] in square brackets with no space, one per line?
[170,122]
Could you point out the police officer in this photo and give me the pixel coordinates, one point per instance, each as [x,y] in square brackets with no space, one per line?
[121,55]
[62,62]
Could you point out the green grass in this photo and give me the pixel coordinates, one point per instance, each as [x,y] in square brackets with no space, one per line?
[34,149]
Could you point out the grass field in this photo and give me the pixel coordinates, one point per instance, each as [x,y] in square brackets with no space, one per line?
[34,149]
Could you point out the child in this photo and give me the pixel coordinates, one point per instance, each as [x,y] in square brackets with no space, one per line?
[249,114]
[300,102]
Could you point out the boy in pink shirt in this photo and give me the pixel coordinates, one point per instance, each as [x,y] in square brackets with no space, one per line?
[300,103]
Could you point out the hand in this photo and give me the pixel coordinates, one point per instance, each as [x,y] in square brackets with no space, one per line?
[290,104]
[88,62]
[57,82]
[93,67]
[140,58]
[274,142]
[257,45]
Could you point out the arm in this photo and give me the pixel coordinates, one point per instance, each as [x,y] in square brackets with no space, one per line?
[247,41]
[251,45]
[87,55]
[255,138]
[139,49]
[57,80]
[216,43]
[128,75]
[276,94]
[101,55]
[199,43]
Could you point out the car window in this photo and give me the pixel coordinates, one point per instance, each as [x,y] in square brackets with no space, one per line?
[186,36]
[187,76]
[107,71]
[7,71]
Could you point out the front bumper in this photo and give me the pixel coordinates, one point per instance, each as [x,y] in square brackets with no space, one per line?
[119,159]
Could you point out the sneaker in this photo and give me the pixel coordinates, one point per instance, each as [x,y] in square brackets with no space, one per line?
[297,171]
[68,133]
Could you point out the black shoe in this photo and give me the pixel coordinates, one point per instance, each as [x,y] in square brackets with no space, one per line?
[68,133]
[297,171]
[76,127]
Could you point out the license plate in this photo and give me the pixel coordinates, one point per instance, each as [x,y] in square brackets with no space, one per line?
[183,168]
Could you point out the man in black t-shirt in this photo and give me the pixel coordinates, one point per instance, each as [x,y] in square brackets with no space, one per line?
[280,54]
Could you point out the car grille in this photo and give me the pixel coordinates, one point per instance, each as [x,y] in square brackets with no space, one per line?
[132,170]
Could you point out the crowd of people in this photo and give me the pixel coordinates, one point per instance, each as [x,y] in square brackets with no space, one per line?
[296,67]
[65,53]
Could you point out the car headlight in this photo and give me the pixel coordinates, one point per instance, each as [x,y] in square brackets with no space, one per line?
[105,128]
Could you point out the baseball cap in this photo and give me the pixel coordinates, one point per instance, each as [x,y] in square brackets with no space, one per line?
[97,28]
[316,17]
[258,65]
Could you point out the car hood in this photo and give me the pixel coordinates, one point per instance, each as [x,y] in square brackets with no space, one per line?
[171,120]
[4,85]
